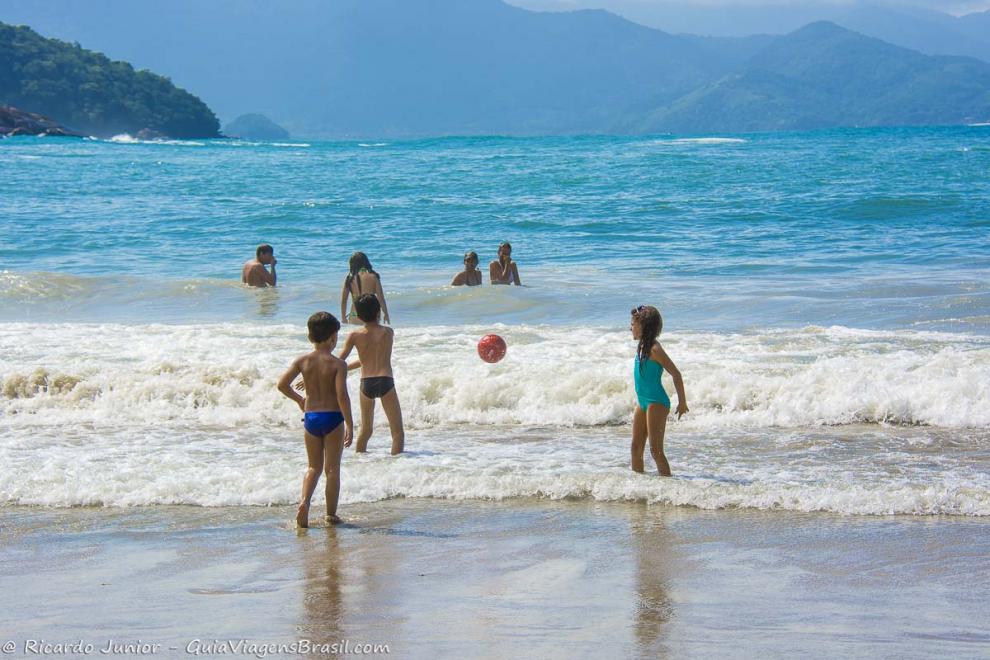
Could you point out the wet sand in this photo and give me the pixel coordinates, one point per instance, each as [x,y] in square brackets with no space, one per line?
[519,578]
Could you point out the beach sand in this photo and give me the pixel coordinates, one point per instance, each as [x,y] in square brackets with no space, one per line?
[520,578]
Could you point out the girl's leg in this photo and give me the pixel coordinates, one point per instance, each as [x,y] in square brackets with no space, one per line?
[390,404]
[314,454]
[333,448]
[656,422]
[638,439]
[367,423]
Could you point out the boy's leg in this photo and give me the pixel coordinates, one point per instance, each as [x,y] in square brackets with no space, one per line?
[390,404]
[656,422]
[367,423]
[333,448]
[314,454]
[638,439]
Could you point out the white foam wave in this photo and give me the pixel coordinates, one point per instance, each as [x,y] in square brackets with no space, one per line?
[180,143]
[120,415]
[709,140]
[223,374]
[291,144]
[126,138]
[372,144]
[257,468]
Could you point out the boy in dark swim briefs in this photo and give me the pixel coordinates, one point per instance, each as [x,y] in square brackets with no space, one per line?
[327,412]
[374,347]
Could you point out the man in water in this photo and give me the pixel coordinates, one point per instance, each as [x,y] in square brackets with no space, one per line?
[254,272]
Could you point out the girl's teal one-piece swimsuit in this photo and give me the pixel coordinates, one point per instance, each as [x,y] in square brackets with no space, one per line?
[649,389]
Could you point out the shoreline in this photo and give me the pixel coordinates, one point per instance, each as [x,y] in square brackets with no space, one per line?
[497,578]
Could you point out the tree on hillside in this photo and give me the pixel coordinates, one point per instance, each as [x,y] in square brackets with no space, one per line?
[91,93]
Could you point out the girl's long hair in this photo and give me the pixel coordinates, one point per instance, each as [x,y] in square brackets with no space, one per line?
[358,261]
[650,325]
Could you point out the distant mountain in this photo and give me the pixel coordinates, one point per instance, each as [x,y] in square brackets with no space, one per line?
[976,25]
[392,67]
[925,30]
[824,75]
[255,127]
[89,93]
[404,68]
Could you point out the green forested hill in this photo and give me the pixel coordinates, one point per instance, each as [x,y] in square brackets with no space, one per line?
[822,76]
[92,94]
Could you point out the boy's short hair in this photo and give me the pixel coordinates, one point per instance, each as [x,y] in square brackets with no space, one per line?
[368,308]
[322,326]
[264,248]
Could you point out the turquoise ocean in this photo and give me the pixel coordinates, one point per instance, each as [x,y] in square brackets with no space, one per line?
[826,295]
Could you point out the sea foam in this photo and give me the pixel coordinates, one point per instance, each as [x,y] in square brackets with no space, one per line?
[812,419]
[555,376]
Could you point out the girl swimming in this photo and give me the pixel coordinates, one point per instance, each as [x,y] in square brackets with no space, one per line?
[653,404]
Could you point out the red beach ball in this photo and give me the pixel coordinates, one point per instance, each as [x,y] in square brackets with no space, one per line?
[491,348]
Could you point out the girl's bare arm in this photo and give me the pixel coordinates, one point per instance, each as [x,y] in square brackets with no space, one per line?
[661,356]
[381,298]
[344,292]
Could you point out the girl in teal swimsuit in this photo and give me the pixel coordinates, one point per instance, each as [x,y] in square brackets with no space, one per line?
[650,416]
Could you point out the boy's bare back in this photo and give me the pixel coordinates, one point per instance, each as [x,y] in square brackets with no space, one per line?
[320,372]
[374,347]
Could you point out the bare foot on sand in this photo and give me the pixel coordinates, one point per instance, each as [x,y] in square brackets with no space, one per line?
[332,519]
[302,515]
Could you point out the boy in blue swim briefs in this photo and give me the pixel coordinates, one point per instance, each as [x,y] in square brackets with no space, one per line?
[653,404]
[327,419]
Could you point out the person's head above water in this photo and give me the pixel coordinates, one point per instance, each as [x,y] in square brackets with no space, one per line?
[368,307]
[322,326]
[264,253]
[471,259]
[646,325]
[505,248]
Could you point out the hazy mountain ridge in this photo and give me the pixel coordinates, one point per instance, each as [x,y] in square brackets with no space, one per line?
[356,68]
[816,77]
[926,30]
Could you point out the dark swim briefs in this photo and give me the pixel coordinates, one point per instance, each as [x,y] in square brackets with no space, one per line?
[322,423]
[377,387]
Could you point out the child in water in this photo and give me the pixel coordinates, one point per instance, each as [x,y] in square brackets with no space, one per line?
[325,407]
[650,416]
[361,278]
[374,347]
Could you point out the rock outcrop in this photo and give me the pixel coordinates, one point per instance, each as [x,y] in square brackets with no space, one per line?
[18,122]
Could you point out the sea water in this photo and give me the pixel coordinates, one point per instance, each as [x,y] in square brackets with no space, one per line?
[825,294]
